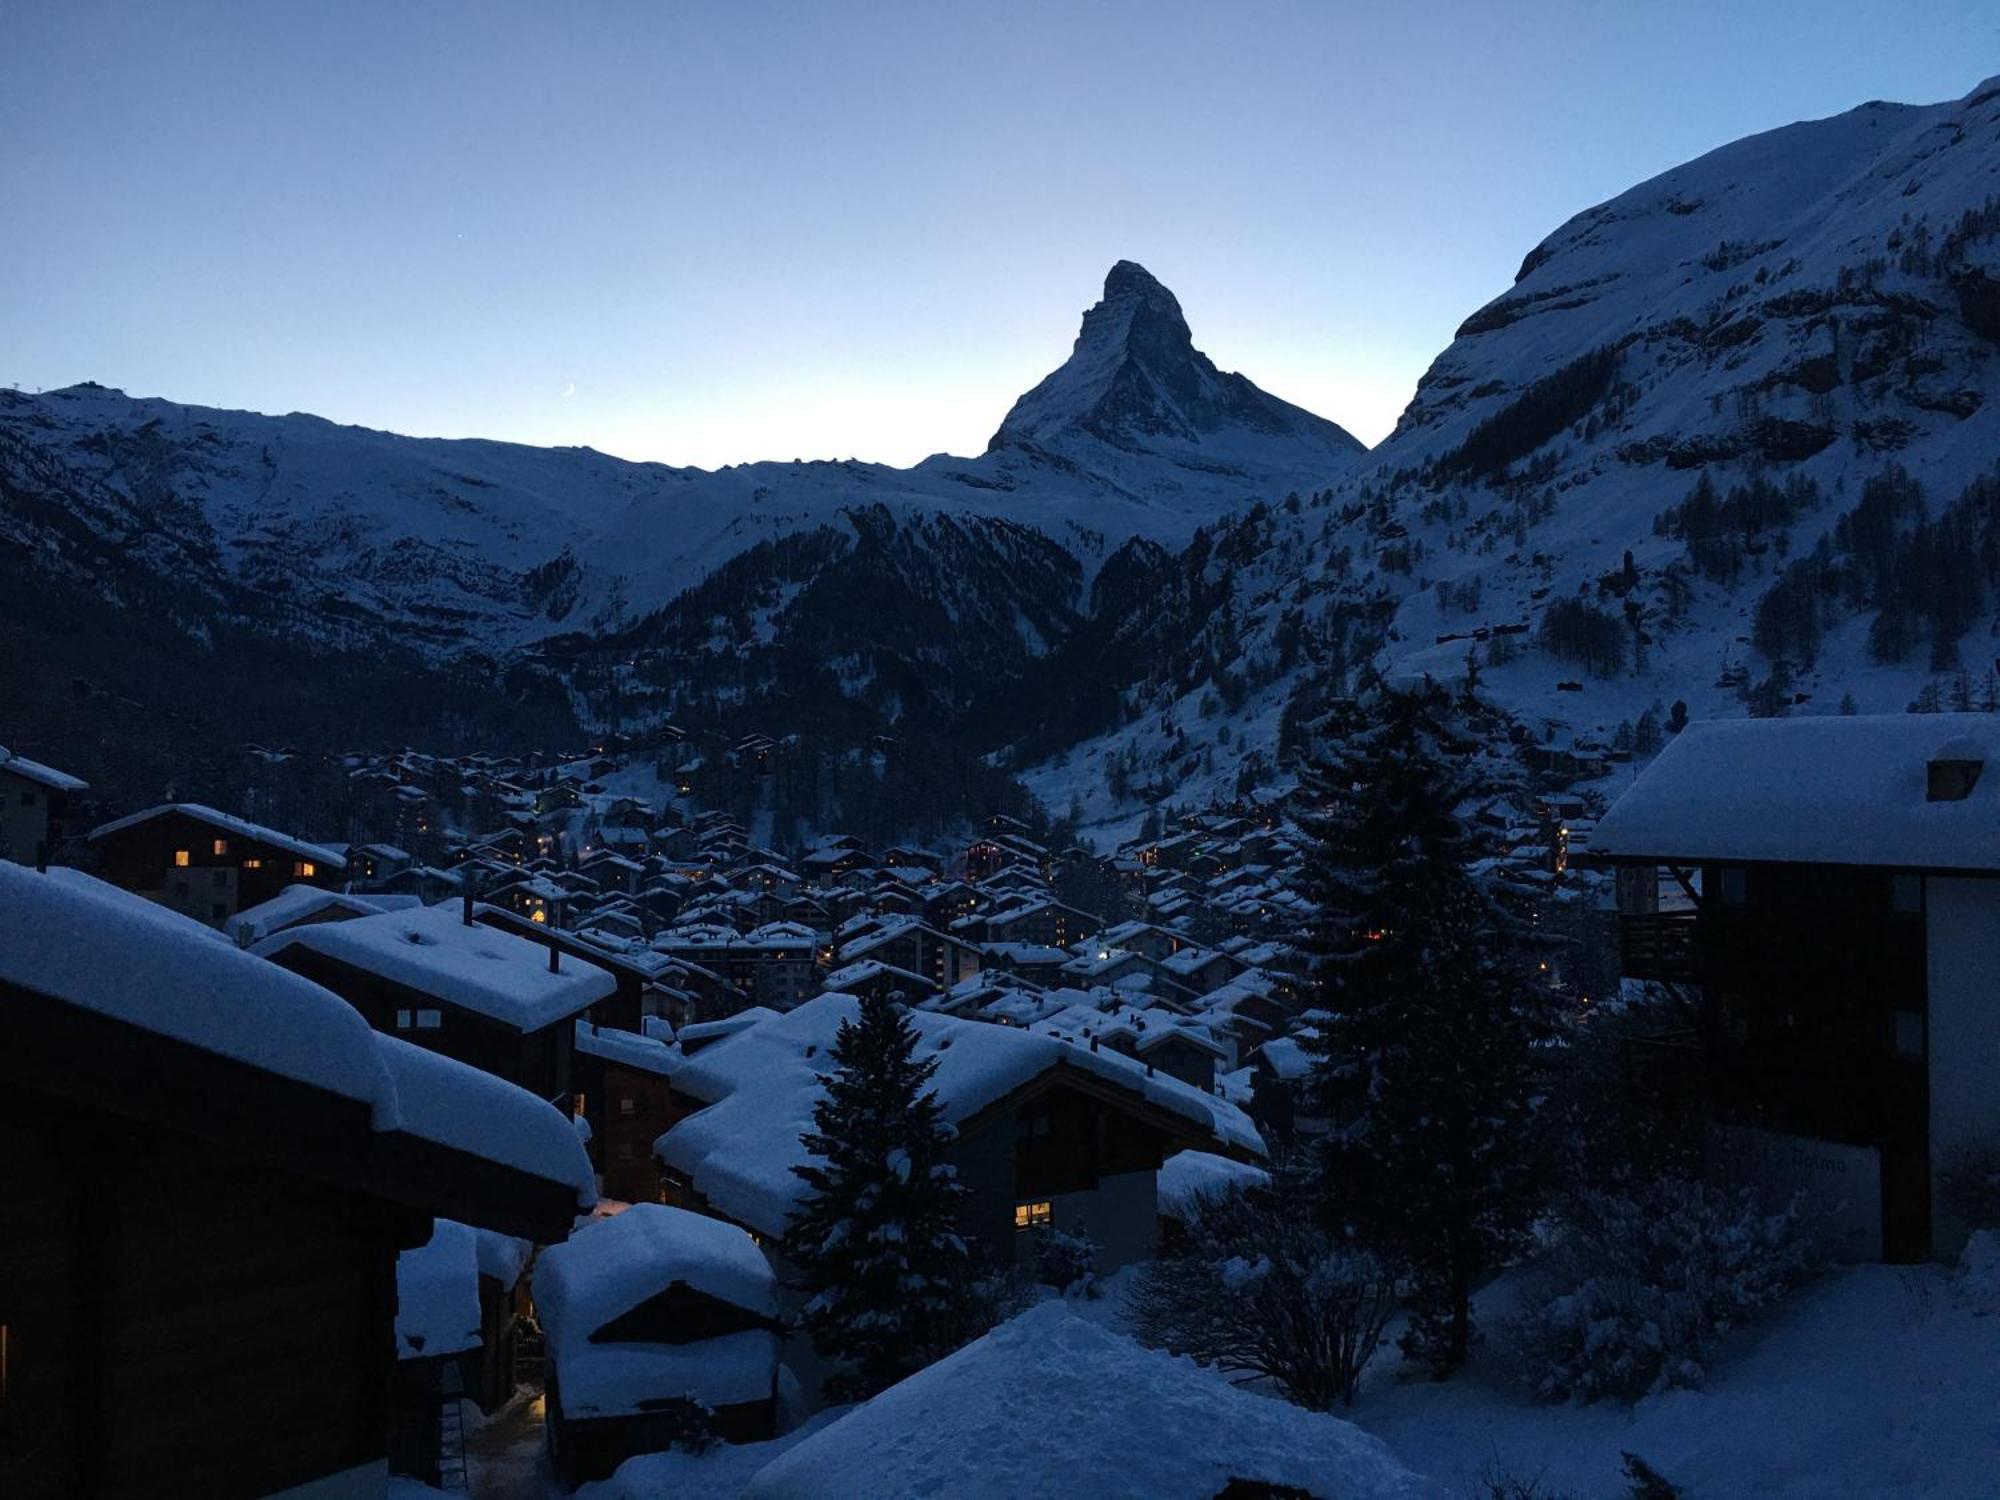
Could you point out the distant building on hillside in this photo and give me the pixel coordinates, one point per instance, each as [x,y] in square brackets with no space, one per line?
[1829,888]
[207,864]
[33,799]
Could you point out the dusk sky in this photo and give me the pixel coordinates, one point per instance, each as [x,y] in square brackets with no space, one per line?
[712,233]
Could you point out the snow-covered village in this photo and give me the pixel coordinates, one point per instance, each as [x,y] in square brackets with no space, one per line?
[1438,939]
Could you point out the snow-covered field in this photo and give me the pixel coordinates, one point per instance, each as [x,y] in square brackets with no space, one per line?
[1876,1381]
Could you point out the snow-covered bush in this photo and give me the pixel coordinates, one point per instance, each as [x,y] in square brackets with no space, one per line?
[1639,1286]
[685,1425]
[1066,1259]
[1257,1285]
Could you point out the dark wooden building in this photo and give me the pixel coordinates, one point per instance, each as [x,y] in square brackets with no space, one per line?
[210,1168]
[1824,894]
[502,1003]
[35,801]
[206,864]
[645,1312]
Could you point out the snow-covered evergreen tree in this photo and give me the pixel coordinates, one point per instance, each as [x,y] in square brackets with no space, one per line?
[884,1266]
[1431,1059]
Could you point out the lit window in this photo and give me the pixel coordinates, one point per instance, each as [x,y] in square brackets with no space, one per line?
[253,864]
[221,846]
[540,915]
[307,869]
[180,859]
[1033,1215]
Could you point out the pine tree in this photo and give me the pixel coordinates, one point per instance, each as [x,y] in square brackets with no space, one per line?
[1431,1061]
[882,1262]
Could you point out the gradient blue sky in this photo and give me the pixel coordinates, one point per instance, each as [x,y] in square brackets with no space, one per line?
[705,233]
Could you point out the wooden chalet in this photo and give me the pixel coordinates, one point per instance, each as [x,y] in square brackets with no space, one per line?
[647,1313]
[34,801]
[1824,894]
[625,1081]
[211,1166]
[207,864]
[439,978]
[1049,1133]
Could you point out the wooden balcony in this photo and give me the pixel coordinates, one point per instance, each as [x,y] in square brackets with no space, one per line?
[1658,945]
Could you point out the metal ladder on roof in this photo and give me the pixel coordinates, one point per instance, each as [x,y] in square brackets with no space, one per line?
[451,1473]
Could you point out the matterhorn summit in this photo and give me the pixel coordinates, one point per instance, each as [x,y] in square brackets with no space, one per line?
[1135,382]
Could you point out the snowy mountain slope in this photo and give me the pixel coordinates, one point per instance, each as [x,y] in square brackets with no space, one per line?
[491,545]
[1769,329]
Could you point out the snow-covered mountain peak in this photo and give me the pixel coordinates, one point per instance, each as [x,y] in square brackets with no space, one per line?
[1135,382]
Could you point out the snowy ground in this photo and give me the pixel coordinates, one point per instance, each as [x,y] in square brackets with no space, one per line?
[1876,1381]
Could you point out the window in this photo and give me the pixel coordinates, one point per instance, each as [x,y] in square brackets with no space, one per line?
[253,864]
[221,846]
[429,1020]
[402,1020]
[180,859]
[1034,1215]
[306,869]
[625,1105]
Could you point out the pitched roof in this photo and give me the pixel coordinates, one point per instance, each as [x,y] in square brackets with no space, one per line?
[120,958]
[612,1265]
[241,828]
[477,968]
[761,1084]
[1830,790]
[33,770]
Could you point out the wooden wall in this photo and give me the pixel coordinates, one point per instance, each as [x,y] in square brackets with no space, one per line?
[184,1320]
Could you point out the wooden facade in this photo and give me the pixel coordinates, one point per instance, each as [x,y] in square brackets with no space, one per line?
[174,1309]
[204,870]
[538,1061]
[197,1262]
[590,1448]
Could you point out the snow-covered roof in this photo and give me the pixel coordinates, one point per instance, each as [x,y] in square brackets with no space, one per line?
[1831,790]
[78,939]
[612,1265]
[33,770]
[1188,1175]
[451,1103]
[437,1294]
[478,968]
[92,945]
[649,1054]
[1052,1404]
[295,904]
[761,1085]
[240,828]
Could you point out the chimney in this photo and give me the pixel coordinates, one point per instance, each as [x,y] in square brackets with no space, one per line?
[555,956]
[471,892]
